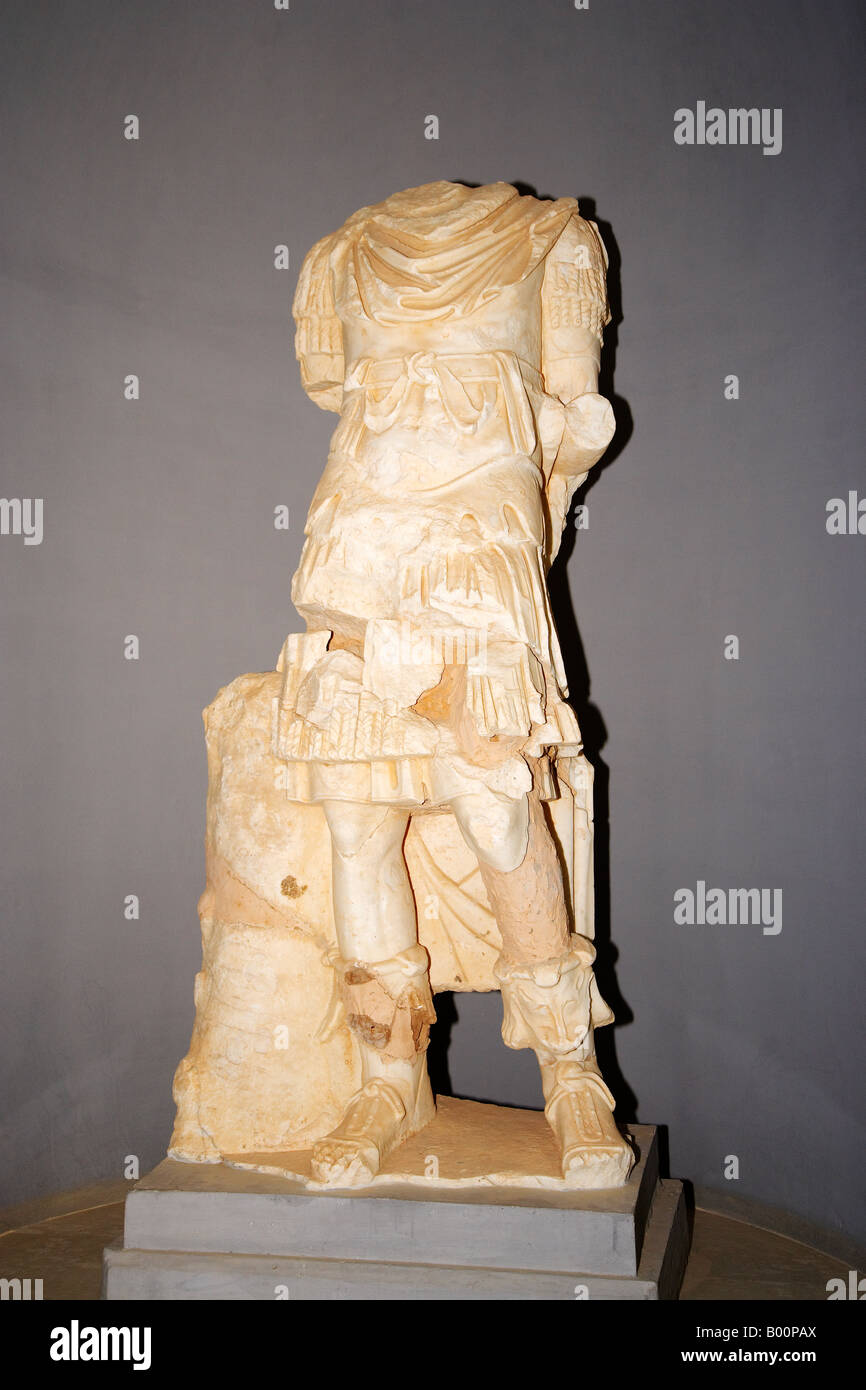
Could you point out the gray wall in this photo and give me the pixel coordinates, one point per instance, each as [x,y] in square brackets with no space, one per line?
[155,257]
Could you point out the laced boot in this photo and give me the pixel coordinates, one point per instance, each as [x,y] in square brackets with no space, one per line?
[388,1005]
[553,1006]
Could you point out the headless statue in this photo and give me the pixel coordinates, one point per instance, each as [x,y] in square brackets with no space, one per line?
[457,333]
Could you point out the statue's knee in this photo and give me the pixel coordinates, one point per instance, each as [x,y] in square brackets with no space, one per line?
[354,826]
[496,829]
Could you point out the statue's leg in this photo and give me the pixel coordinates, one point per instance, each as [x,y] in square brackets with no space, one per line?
[384,988]
[545,974]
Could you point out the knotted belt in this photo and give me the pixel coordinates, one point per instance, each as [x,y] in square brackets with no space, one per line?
[409,380]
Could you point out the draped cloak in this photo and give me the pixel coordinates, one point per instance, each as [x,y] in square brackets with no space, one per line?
[424,321]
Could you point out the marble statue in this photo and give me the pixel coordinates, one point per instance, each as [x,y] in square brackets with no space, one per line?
[404,805]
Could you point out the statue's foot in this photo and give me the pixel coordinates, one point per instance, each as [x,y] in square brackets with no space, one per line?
[376,1120]
[579,1110]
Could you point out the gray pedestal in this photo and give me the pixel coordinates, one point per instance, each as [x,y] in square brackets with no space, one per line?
[214,1231]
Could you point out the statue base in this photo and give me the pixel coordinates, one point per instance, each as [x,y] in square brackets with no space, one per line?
[435,1223]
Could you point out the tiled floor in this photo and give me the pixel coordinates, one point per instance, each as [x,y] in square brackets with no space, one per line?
[729,1260]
